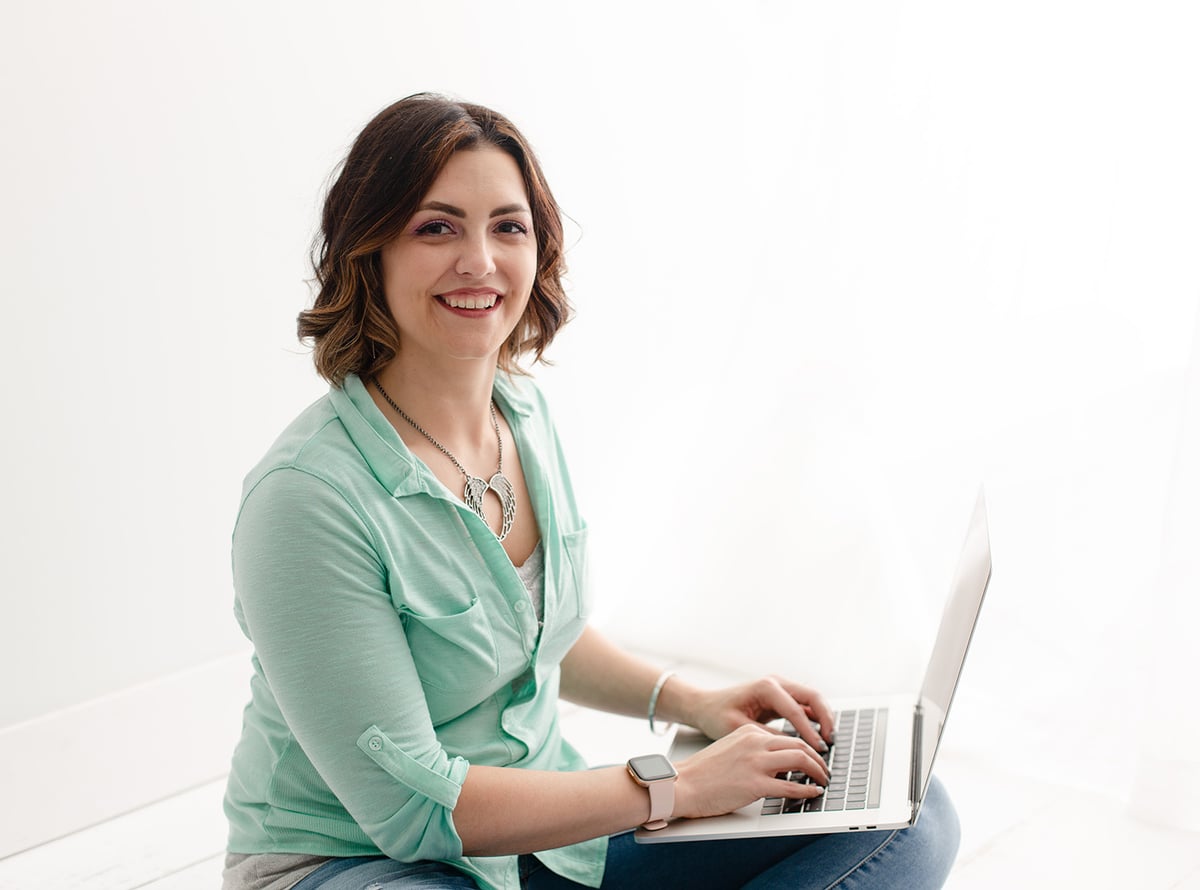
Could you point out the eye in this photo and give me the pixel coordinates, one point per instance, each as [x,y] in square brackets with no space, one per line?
[435,227]
[512,227]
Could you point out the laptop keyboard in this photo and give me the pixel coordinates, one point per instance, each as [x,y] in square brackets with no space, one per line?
[855,764]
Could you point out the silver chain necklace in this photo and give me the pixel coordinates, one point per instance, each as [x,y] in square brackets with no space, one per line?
[476,487]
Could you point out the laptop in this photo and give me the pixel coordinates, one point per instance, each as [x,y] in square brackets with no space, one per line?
[884,747]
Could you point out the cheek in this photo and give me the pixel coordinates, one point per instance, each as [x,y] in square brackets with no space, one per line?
[409,278]
[528,266]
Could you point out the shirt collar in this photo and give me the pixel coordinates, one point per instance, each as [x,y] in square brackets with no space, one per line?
[511,396]
[397,468]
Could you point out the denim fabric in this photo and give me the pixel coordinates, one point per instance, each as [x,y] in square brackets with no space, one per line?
[377,873]
[913,858]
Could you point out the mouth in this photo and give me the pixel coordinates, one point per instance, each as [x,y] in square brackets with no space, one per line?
[470,298]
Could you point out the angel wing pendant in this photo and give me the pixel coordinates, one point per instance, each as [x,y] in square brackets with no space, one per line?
[477,487]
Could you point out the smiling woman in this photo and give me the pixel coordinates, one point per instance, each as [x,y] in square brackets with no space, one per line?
[411,645]
[458,276]
[385,179]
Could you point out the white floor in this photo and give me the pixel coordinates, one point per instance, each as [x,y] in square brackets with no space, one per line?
[1019,835]
[1014,835]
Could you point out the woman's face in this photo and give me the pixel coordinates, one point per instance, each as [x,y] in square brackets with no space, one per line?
[458,276]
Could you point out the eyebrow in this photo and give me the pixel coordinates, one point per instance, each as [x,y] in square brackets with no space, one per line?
[462,214]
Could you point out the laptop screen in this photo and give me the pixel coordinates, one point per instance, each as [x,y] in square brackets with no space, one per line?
[954,636]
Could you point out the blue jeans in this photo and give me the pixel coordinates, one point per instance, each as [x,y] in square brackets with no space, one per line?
[913,858]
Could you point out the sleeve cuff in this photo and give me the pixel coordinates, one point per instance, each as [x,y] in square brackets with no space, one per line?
[442,788]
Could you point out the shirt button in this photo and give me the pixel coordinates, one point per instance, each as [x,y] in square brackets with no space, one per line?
[375,743]
[521,605]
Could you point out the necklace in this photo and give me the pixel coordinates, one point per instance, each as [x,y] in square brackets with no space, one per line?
[476,486]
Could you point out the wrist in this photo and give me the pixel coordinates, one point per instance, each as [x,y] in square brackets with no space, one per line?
[686,791]
[670,702]
[679,702]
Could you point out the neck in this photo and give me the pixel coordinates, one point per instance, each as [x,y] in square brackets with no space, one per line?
[451,403]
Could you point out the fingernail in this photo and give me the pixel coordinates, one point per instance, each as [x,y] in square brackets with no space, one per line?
[824,749]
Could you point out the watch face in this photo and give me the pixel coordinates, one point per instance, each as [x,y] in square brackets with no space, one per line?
[652,767]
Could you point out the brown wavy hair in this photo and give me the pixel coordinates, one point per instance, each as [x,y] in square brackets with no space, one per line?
[390,168]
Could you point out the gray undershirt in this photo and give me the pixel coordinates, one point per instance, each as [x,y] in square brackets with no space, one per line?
[280,871]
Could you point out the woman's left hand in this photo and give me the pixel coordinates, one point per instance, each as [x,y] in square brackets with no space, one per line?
[719,712]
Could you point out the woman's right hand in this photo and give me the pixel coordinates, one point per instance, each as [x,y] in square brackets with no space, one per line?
[743,766]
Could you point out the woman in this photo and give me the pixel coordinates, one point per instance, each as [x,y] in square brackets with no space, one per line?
[409,564]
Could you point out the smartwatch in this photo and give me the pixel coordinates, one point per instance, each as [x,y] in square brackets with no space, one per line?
[656,774]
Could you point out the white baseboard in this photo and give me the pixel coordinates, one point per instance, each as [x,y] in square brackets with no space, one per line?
[82,765]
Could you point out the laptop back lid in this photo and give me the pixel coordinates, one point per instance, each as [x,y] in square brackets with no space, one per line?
[950,649]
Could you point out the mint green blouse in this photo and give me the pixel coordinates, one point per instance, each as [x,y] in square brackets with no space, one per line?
[394,643]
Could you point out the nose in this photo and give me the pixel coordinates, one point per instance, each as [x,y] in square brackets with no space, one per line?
[475,260]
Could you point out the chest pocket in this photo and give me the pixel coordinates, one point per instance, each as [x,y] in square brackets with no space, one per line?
[454,652]
[571,599]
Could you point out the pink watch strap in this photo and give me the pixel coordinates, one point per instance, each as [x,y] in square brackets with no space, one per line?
[662,804]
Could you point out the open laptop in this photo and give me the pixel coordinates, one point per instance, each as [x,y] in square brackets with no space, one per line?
[883,750]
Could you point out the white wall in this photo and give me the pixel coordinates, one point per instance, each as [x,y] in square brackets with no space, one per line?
[834,266]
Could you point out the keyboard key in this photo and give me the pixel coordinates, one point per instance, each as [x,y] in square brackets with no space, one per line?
[854,783]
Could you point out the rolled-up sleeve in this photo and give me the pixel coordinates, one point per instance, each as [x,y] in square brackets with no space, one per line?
[312,595]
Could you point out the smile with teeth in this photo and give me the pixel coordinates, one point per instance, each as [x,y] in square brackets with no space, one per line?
[469,301]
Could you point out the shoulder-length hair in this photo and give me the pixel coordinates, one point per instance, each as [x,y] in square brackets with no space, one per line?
[390,168]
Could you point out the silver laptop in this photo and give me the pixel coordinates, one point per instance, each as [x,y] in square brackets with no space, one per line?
[883,750]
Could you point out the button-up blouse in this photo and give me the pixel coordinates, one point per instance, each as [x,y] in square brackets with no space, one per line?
[394,642]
